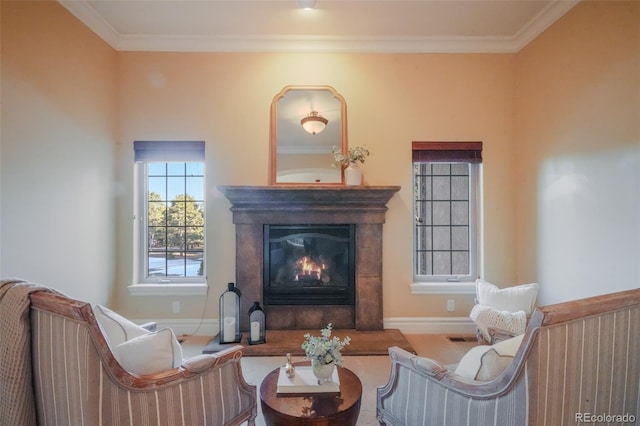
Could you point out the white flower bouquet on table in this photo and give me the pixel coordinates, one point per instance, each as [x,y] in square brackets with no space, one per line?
[324,349]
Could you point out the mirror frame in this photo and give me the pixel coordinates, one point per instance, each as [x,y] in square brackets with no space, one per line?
[273,134]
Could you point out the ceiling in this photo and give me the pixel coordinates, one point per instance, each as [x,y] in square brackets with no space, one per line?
[415,26]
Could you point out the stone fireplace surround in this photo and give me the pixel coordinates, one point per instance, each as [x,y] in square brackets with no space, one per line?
[365,206]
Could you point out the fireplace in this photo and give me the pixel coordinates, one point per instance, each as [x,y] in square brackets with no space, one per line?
[361,209]
[309,265]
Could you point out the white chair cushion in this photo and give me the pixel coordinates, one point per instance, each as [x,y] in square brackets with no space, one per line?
[150,353]
[116,328]
[511,299]
[487,362]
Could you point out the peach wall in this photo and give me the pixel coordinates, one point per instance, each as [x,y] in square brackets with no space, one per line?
[224,99]
[58,86]
[578,153]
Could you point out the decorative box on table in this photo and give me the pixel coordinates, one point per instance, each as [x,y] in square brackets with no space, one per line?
[304,382]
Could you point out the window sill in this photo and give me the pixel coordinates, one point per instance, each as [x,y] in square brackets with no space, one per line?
[168,289]
[443,288]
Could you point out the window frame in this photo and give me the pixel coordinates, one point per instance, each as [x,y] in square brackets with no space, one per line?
[162,152]
[451,152]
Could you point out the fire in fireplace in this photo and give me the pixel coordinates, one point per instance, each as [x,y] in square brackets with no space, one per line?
[309,265]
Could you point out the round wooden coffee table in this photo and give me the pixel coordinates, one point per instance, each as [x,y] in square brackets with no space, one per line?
[316,409]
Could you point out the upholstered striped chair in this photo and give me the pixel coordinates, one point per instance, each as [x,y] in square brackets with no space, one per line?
[577,360]
[67,374]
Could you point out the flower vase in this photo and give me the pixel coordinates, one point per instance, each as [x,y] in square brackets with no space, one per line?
[323,372]
[353,174]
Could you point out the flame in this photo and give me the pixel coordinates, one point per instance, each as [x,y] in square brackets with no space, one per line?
[308,268]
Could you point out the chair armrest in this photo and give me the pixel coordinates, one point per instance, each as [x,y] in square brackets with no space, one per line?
[199,363]
[427,366]
[498,335]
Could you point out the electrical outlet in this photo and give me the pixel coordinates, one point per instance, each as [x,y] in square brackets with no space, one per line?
[175,307]
[451,305]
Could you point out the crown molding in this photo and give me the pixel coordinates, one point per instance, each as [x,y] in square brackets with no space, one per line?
[320,44]
[302,44]
[542,21]
[92,19]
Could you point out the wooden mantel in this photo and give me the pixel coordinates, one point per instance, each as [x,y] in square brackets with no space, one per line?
[364,206]
[354,204]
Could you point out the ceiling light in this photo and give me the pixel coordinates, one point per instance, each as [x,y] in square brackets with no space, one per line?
[307,4]
[314,122]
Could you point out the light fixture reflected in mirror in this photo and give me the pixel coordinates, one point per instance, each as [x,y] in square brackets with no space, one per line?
[307,4]
[314,123]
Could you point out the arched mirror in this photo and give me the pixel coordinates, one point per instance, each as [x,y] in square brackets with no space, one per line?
[306,123]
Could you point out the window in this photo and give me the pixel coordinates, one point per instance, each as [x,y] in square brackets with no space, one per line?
[171,213]
[446,182]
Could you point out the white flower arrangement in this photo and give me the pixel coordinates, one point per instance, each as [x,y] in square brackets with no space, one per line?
[324,349]
[354,155]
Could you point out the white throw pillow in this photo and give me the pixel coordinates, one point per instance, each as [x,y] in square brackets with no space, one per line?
[150,354]
[487,362]
[486,317]
[511,299]
[116,328]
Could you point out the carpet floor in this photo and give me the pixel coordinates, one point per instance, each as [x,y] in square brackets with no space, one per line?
[281,342]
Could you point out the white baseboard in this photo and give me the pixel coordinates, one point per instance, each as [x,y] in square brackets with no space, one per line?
[431,325]
[407,325]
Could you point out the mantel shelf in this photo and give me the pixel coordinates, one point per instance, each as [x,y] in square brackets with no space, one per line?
[308,196]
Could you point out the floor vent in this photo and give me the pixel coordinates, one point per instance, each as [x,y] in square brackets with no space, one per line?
[462,338]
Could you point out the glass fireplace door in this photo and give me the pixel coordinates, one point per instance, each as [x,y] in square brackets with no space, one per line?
[309,265]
